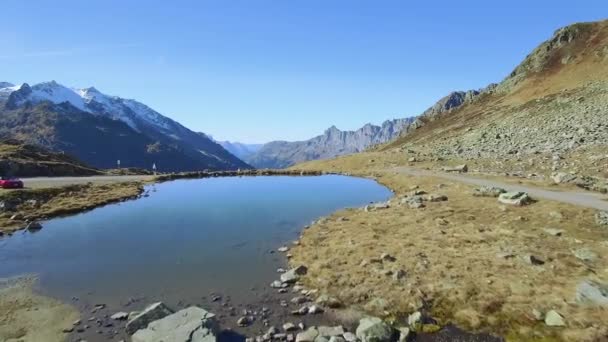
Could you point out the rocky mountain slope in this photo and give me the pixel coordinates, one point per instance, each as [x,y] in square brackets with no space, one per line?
[17,159]
[333,142]
[101,129]
[241,150]
[549,115]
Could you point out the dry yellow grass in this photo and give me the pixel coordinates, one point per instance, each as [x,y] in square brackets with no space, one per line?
[35,204]
[449,252]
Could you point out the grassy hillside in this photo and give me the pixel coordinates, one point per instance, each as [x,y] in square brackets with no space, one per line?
[18,159]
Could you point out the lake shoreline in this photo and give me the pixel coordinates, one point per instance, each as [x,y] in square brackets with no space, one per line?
[268,297]
[22,207]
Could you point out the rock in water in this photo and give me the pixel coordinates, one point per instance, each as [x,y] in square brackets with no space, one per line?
[592,293]
[515,198]
[192,324]
[152,313]
[33,226]
[554,319]
[373,329]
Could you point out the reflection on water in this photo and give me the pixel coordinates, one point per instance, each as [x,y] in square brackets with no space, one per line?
[188,239]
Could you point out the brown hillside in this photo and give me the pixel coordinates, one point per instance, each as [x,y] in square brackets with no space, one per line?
[552,111]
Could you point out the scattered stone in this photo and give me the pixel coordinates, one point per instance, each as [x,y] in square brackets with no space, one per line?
[404,334]
[533,260]
[414,319]
[283,249]
[413,202]
[331,331]
[460,168]
[601,218]
[350,337]
[515,198]
[192,324]
[387,257]
[293,274]
[315,309]
[436,198]
[16,217]
[505,255]
[330,302]
[488,191]
[67,330]
[553,231]
[592,293]
[152,313]
[554,319]
[537,315]
[299,300]
[585,254]
[120,316]
[277,284]
[289,327]
[301,311]
[562,177]
[307,336]
[374,329]
[376,206]
[244,321]
[399,275]
[337,339]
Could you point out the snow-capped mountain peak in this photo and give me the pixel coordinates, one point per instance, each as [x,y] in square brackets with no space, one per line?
[89,100]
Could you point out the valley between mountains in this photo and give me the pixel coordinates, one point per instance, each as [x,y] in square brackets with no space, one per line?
[460,243]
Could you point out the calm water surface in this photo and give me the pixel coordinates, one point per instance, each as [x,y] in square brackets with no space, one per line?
[187,239]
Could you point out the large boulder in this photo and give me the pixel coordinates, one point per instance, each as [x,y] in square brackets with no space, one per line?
[192,324]
[592,293]
[374,329]
[152,313]
[515,198]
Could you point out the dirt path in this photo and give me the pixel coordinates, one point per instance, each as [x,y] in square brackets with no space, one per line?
[584,199]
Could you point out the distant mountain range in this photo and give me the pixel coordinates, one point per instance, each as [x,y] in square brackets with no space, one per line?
[241,150]
[100,129]
[333,142]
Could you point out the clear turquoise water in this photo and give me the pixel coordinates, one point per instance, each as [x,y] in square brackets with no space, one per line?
[187,239]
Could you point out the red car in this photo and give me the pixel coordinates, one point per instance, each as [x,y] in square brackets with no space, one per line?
[11,183]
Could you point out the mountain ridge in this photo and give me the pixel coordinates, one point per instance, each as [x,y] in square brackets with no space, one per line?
[155,135]
[333,142]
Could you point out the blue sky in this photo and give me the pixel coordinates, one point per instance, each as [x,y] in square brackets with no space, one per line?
[256,71]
